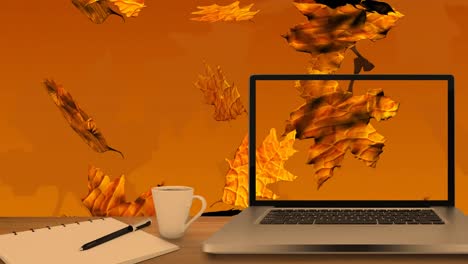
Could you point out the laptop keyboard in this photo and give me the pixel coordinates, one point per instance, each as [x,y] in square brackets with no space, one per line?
[352,216]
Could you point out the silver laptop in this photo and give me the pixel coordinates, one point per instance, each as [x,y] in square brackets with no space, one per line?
[349,164]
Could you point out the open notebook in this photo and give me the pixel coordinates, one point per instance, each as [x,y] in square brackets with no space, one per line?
[61,244]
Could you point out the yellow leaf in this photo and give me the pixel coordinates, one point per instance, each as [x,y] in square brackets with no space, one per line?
[236,191]
[129,8]
[270,158]
[231,12]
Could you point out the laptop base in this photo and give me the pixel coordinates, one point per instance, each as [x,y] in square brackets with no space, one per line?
[244,235]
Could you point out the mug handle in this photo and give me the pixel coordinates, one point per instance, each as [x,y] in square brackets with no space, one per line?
[203,207]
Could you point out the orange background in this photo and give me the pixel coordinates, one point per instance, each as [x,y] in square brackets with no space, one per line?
[136,79]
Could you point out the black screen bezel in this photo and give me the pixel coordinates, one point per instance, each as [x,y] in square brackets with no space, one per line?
[354,203]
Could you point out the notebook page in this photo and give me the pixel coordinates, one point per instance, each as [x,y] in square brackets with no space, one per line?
[61,245]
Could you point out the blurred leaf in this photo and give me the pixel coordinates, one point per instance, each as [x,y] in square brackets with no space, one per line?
[231,12]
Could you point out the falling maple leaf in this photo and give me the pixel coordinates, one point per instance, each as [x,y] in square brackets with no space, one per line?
[335,26]
[107,198]
[98,10]
[339,122]
[218,92]
[336,29]
[231,12]
[270,158]
[129,8]
[81,122]
[236,190]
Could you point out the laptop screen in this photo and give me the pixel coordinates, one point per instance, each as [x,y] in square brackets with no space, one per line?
[359,140]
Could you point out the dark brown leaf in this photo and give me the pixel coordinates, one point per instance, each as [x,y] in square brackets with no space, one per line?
[96,11]
[81,122]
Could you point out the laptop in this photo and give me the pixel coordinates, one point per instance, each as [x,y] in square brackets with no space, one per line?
[349,164]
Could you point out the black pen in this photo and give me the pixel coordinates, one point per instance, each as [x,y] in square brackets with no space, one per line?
[115,234]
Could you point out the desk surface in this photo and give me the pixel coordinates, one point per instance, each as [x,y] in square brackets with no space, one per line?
[201,229]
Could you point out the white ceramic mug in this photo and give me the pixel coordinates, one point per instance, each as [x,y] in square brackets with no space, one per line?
[172,205]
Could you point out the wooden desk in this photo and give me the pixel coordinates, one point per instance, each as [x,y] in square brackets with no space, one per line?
[201,229]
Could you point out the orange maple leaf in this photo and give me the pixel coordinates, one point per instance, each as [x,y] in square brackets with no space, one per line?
[339,121]
[231,12]
[107,198]
[270,158]
[218,92]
